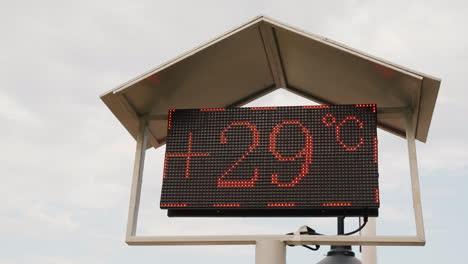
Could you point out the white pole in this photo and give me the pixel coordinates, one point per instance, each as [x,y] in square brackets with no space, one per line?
[135,192]
[270,252]
[418,214]
[369,253]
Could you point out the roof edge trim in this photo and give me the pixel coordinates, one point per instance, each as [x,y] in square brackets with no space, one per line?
[361,54]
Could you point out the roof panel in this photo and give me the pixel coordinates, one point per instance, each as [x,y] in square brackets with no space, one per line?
[334,77]
[213,77]
[244,64]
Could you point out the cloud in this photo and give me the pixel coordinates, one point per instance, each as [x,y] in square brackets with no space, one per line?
[14,111]
[38,222]
[58,260]
[66,162]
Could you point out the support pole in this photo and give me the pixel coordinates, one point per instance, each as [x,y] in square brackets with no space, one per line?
[416,190]
[369,253]
[340,231]
[270,252]
[340,254]
[137,180]
[340,225]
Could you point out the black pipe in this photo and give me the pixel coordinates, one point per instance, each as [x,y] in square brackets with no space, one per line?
[340,223]
[340,254]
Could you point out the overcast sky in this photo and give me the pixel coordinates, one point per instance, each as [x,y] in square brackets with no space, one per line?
[66,162]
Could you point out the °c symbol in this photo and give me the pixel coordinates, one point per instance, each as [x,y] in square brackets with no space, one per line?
[328,120]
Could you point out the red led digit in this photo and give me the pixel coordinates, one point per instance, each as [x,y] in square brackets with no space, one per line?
[281,204]
[169,119]
[172,205]
[165,166]
[315,106]
[375,150]
[336,204]
[306,152]
[212,109]
[373,106]
[187,156]
[263,108]
[338,131]
[377,199]
[255,142]
[226,205]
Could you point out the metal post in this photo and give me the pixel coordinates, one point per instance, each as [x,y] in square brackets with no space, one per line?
[270,252]
[340,228]
[340,254]
[369,253]
[340,224]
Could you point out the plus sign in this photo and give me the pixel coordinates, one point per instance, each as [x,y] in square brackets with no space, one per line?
[187,156]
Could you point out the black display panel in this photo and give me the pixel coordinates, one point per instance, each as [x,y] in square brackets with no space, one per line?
[272,161]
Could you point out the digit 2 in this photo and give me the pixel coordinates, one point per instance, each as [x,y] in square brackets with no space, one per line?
[255,142]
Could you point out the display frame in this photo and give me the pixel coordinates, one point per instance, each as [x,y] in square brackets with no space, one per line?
[339,179]
[407,114]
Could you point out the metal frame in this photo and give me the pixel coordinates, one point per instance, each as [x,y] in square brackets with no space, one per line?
[418,240]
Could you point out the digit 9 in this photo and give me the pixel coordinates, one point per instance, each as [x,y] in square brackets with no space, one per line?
[305,153]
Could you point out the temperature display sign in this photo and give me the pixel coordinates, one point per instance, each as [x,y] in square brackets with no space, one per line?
[272,161]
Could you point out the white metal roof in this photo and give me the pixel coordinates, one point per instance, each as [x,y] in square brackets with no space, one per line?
[261,56]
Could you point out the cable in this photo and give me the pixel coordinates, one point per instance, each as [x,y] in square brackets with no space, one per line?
[311,248]
[359,229]
[311,231]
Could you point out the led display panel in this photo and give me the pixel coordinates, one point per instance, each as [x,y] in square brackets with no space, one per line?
[272,161]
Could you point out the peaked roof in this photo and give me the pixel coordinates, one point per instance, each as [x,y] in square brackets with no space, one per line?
[261,56]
